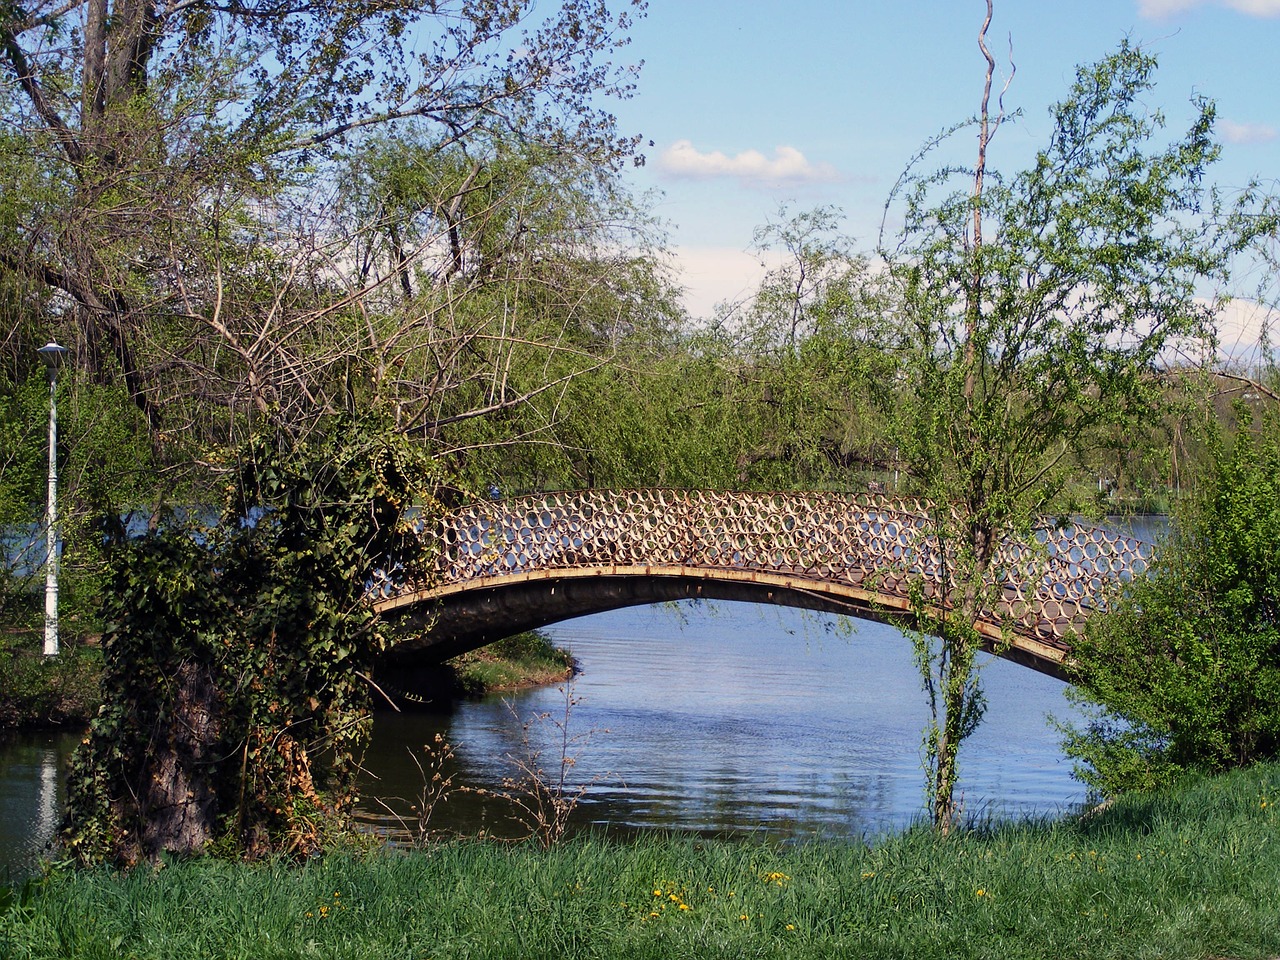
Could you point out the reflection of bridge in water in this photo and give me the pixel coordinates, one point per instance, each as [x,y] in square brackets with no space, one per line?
[516,564]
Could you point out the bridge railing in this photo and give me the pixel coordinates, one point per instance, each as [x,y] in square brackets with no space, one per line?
[881,545]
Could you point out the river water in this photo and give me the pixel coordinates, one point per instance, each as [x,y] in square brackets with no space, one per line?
[724,719]
[31,789]
[731,719]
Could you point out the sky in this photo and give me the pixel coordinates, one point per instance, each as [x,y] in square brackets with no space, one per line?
[754,105]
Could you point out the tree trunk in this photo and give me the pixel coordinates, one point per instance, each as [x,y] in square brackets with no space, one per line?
[176,801]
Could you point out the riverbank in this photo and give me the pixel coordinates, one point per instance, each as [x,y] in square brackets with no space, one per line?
[525,660]
[1191,872]
[38,692]
[46,692]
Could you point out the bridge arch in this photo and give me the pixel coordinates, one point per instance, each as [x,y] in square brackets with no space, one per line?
[530,561]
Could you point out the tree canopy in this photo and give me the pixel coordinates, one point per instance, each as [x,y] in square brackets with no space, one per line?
[170,202]
[1037,311]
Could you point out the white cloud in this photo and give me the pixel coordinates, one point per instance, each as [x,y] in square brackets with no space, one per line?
[1158,9]
[788,165]
[1243,325]
[1233,132]
[716,275]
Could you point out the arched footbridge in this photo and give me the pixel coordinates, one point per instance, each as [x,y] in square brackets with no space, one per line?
[525,562]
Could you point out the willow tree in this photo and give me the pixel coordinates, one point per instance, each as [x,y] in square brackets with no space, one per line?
[507,271]
[1038,312]
[169,171]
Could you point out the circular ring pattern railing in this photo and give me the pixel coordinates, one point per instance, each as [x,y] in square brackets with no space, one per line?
[1043,588]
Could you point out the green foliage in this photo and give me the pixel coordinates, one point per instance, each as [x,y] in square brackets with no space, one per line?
[1018,351]
[1184,671]
[237,656]
[105,470]
[1035,313]
[24,422]
[241,213]
[773,394]
[38,691]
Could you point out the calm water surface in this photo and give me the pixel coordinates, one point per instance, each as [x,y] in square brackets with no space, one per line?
[32,770]
[737,718]
[725,719]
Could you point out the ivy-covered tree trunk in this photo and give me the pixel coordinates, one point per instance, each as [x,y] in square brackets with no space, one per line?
[237,655]
[145,779]
[178,798]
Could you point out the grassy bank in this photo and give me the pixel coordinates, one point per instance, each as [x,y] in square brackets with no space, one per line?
[525,660]
[40,691]
[1189,873]
[63,691]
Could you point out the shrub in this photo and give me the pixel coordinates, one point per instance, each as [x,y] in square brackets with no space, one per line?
[1183,672]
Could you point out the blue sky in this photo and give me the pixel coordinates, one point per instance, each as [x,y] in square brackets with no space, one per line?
[811,102]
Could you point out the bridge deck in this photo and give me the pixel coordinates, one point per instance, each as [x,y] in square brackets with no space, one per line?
[865,551]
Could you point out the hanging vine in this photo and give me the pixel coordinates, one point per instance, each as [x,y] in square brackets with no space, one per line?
[237,653]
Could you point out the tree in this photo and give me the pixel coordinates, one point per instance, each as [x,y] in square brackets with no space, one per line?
[238,655]
[1183,672]
[772,394]
[1036,312]
[810,343]
[165,163]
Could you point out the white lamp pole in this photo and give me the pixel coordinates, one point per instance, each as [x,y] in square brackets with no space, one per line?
[52,355]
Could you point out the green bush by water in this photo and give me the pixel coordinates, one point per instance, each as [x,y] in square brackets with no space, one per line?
[39,691]
[1182,672]
[1190,872]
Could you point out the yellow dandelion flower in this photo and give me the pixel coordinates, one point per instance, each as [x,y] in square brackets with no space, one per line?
[657,893]
[791,926]
[981,892]
[684,906]
[743,917]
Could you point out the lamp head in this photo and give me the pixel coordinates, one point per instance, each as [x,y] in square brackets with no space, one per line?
[52,354]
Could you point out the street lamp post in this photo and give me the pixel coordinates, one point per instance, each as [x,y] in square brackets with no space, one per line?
[52,355]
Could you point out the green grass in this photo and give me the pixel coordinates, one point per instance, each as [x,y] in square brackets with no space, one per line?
[1191,873]
[523,660]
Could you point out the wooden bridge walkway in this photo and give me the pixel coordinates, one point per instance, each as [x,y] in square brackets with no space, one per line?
[518,563]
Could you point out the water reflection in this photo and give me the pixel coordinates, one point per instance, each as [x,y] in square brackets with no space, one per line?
[737,718]
[31,777]
[724,719]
